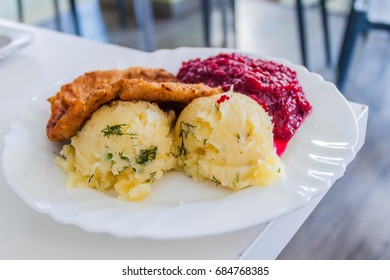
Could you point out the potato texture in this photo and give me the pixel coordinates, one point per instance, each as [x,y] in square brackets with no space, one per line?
[227,139]
[126,145]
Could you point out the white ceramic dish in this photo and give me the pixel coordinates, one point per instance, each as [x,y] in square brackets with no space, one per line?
[178,207]
[12,39]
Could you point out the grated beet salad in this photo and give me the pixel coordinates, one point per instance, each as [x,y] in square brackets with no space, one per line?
[273,85]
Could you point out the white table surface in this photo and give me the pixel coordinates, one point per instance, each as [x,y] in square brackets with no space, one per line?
[26,234]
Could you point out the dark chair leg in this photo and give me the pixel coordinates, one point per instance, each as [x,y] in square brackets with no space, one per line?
[302,31]
[325,27]
[20,11]
[73,9]
[357,23]
[206,7]
[121,6]
[228,11]
[233,8]
[144,19]
[225,23]
[57,15]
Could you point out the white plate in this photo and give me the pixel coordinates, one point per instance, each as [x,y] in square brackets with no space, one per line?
[12,39]
[178,207]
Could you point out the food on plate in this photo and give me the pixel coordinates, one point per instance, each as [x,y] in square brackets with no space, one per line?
[82,86]
[236,111]
[272,85]
[125,144]
[70,111]
[228,139]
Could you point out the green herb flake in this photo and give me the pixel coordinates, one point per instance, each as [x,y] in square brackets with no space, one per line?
[122,157]
[113,130]
[109,156]
[185,130]
[236,179]
[151,179]
[90,178]
[133,135]
[146,155]
[182,150]
[216,181]
[117,130]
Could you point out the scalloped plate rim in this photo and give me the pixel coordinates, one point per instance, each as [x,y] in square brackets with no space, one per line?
[303,197]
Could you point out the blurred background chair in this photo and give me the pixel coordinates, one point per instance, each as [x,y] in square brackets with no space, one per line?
[228,20]
[56,6]
[365,15]
[143,13]
[227,8]
[302,31]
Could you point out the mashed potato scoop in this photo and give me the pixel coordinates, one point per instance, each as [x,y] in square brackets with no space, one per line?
[126,145]
[228,139]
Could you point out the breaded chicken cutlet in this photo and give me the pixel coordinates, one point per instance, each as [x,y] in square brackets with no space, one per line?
[76,101]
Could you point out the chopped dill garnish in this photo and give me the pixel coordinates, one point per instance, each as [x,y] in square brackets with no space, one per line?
[216,181]
[90,178]
[204,142]
[185,130]
[133,135]
[182,150]
[147,155]
[109,156]
[238,137]
[113,130]
[117,130]
[235,181]
[122,157]
[151,179]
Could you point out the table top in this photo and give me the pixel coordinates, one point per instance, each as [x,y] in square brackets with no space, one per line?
[26,234]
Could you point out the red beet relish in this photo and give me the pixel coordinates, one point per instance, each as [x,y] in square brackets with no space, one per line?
[272,85]
[223,98]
